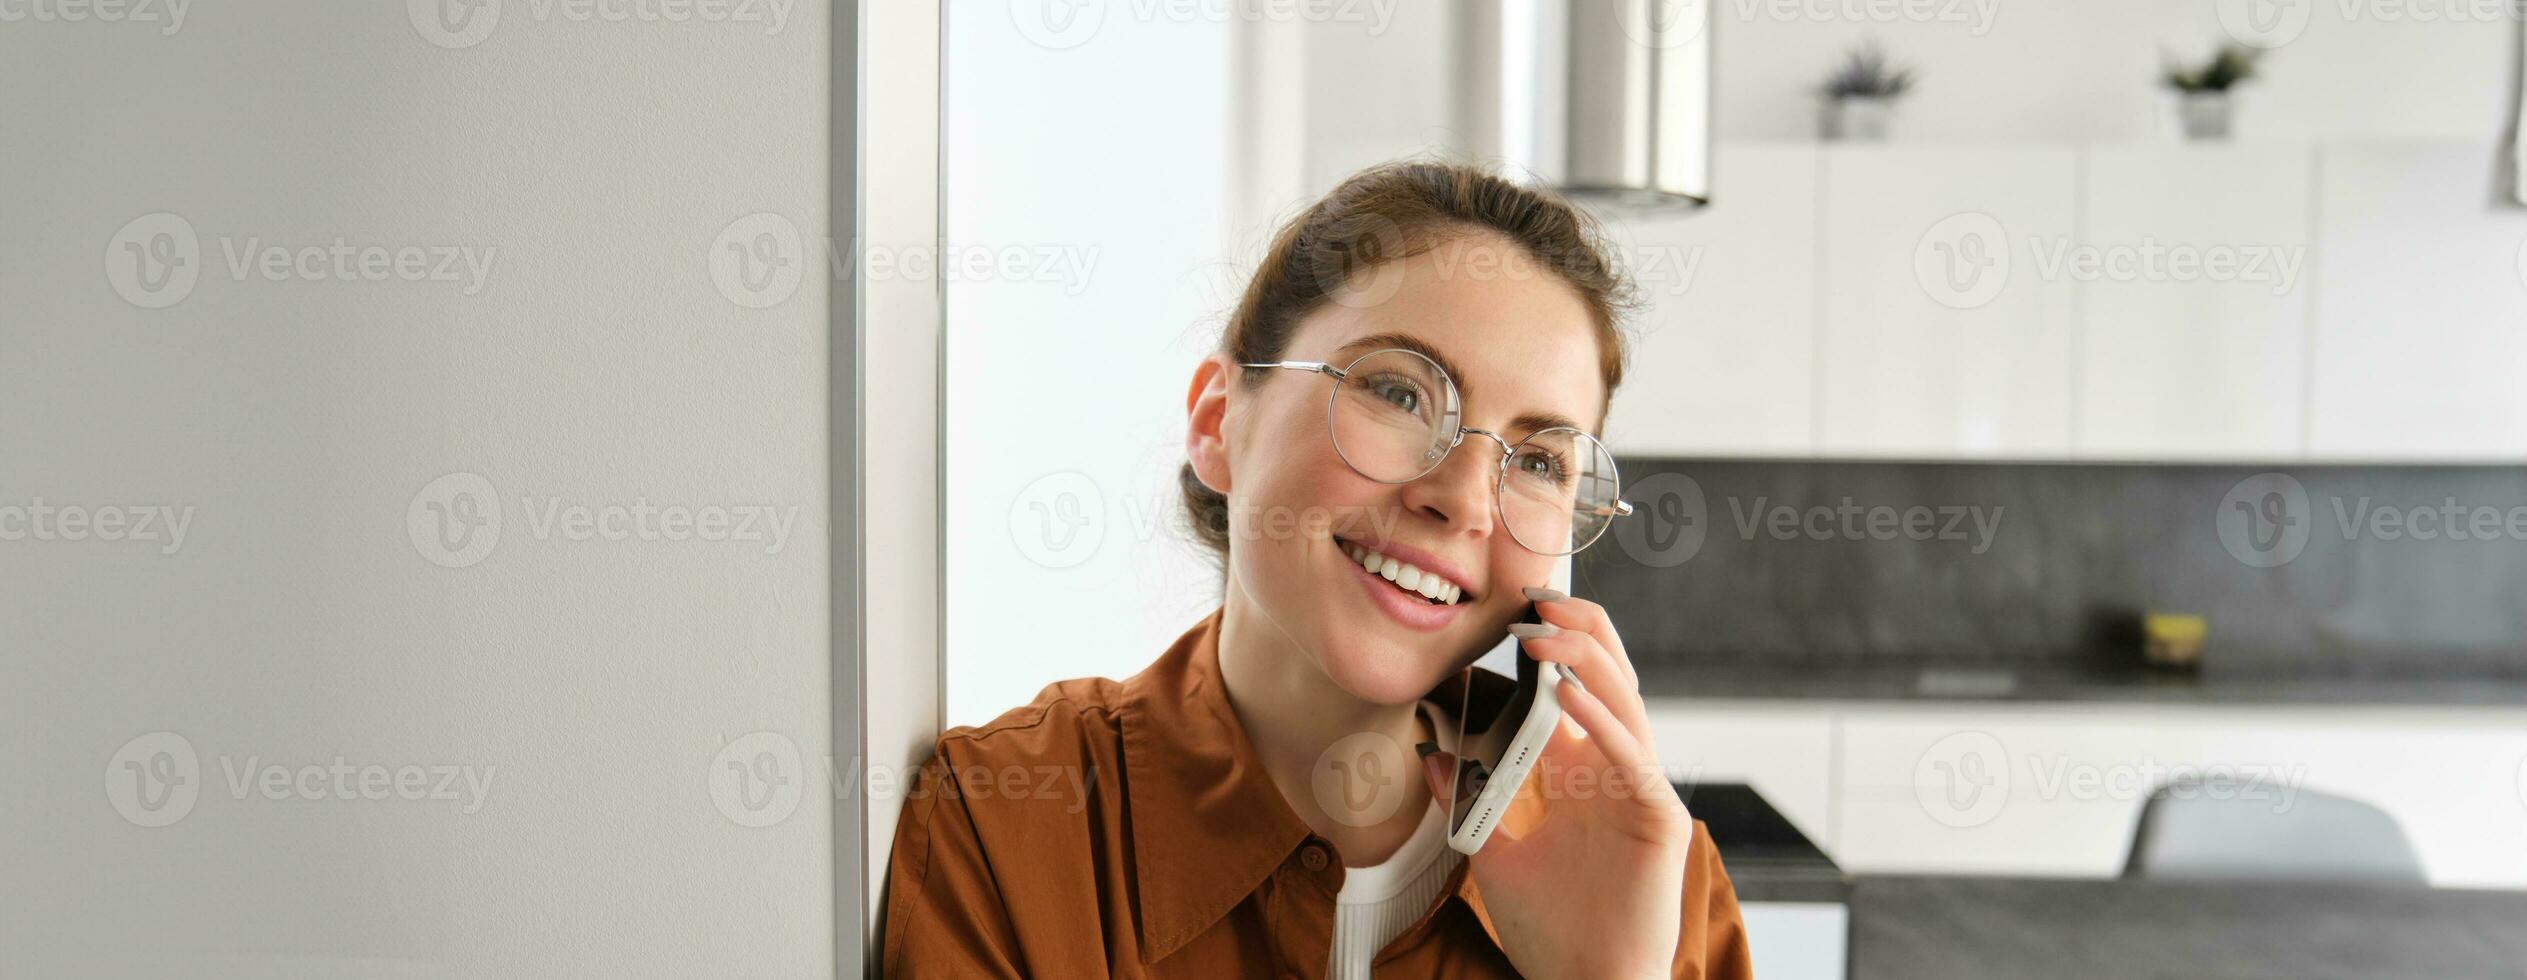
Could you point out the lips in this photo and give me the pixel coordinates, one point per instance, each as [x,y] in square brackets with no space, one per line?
[1407,577]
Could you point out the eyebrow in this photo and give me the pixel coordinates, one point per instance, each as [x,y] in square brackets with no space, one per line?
[1529,423]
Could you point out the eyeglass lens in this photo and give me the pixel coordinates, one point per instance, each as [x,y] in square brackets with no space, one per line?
[1394,415]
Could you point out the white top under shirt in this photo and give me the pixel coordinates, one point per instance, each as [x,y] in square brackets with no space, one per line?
[1379,902]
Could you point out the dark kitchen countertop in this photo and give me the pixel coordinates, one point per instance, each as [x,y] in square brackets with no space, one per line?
[1904,928]
[1930,681]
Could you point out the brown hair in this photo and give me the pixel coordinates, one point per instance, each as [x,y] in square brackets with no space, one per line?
[1394,211]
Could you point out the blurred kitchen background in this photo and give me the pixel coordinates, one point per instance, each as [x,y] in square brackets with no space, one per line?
[2080,442]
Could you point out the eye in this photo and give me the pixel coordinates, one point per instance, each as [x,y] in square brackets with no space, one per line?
[1399,393]
[1542,464]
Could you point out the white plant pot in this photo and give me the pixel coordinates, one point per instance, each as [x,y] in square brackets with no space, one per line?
[2206,116]
[1859,119]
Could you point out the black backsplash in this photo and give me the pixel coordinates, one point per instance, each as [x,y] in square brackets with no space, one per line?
[2051,564]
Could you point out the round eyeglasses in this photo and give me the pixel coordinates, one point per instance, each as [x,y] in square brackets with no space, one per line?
[1394,416]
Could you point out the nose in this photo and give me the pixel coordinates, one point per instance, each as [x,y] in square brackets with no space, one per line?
[1459,492]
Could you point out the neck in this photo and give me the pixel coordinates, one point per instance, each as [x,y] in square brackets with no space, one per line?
[1293,714]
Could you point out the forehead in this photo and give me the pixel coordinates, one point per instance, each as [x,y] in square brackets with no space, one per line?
[1515,335]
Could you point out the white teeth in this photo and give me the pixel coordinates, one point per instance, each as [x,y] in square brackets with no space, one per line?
[1406,576]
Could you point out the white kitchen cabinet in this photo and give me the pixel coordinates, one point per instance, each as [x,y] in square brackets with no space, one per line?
[1785,753]
[2421,308]
[1942,337]
[1726,347]
[2057,789]
[2192,339]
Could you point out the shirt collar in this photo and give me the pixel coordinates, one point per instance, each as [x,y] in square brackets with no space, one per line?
[1208,824]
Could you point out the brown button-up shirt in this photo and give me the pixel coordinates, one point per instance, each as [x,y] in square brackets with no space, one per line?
[1128,829]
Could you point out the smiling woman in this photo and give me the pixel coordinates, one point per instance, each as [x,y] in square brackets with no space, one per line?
[1249,807]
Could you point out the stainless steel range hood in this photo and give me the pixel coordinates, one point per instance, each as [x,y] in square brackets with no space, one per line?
[1607,100]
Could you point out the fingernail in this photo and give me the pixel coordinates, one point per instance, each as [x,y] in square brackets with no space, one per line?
[1533,631]
[1538,593]
[1424,749]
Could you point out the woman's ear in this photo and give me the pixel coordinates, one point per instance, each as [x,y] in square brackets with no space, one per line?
[1206,418]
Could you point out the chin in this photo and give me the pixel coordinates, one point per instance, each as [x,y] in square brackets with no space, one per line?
[1382,676]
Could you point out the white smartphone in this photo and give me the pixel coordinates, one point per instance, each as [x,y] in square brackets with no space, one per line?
[1503,723]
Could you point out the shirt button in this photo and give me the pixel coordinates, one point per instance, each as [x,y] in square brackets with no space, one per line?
[1313,857]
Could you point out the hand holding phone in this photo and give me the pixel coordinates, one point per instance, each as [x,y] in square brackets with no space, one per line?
[1502,727]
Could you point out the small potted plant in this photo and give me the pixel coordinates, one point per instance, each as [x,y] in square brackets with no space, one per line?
[2205,106]
[1860,95]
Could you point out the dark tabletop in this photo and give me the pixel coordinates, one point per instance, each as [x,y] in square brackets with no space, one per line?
[1968,682]
[1767,858]
[1904,928]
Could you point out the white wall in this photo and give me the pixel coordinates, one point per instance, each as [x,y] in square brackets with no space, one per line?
[1096,157]
[2068,70]
[593,683]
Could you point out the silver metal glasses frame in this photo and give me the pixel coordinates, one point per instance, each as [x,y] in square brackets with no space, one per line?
[1508,450]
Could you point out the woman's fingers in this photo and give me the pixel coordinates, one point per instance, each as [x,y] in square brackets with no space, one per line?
[1599,671]
[1612,736]
[1572,613]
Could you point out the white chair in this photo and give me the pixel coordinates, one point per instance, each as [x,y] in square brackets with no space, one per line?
[2187,834]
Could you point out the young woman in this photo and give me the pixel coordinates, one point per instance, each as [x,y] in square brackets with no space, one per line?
[1390,453]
